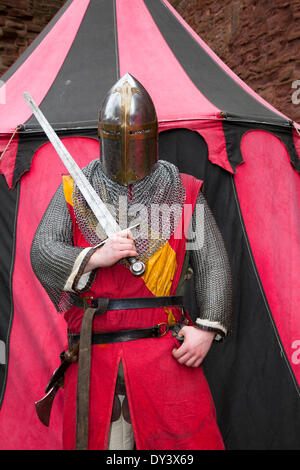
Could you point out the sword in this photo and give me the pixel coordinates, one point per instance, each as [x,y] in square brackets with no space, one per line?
[98,207]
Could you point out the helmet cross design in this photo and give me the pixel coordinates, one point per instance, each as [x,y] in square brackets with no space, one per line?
[126,92]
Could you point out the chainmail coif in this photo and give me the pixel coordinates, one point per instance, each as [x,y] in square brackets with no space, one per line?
[129,204]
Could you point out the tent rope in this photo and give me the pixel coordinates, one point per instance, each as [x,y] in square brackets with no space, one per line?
[10,140]
[296,129]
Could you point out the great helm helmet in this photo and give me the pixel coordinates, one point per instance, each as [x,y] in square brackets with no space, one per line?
[128,132]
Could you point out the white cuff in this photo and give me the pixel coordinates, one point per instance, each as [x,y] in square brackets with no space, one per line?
[83,279]
[211,324]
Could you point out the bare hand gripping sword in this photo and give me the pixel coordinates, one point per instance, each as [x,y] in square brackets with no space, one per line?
[98,207]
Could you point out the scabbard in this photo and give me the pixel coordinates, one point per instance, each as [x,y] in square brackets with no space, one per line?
[43,407]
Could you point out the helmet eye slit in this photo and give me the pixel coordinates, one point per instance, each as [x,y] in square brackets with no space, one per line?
[109,132]
[143,131]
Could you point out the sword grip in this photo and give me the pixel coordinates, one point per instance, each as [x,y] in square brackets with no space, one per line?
[137,268]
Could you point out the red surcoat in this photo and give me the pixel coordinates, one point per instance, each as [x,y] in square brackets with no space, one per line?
[170,404]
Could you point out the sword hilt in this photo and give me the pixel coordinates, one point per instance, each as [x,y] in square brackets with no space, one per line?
[137,268]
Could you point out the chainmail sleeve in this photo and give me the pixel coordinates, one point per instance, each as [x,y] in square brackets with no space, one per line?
[212,274]
[55,261]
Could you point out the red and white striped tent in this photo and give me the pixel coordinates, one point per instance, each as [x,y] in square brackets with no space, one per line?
[212,125]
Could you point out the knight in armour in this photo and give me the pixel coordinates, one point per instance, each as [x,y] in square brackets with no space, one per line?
[146,386]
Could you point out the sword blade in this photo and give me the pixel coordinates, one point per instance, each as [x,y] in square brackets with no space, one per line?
[104,217]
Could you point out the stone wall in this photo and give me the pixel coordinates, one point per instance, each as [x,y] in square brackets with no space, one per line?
[258,39]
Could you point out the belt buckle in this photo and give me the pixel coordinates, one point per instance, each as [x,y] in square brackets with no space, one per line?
[162,330]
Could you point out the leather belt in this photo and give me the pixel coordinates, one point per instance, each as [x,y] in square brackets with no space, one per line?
[131,303]
[126,335]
